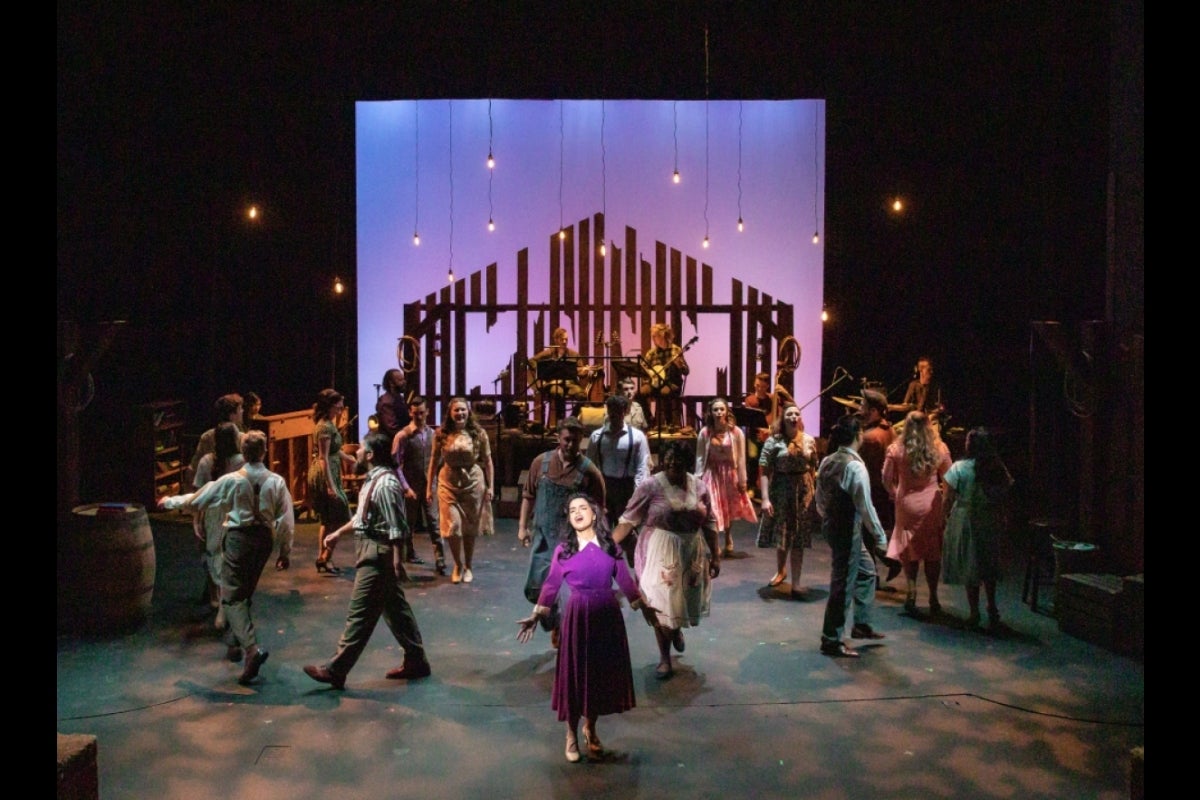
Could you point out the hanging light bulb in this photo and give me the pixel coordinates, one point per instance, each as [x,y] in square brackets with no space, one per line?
[741,225]
[338,286]
[675,177]
[416,238]
[706,241]
[603,249]
[562,233]
[450,275]
[491,161]
[816,237]
[491,224]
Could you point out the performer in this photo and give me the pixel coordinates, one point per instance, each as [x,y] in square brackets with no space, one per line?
[768,402]
[634,417]
[877,437]
[378,527]
[391,409]
[412,450]
[666,369]
[553,477]
[622,453]
[559,391]
[924,393]
[593,674]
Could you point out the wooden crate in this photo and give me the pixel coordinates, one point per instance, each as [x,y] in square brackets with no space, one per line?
[1089,607]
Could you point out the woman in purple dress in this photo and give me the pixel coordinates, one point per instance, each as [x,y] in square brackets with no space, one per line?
[592,676]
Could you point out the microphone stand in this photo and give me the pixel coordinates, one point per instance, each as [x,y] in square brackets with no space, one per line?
[836,380]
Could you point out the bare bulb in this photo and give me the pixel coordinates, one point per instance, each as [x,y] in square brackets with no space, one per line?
[741,225]
[897,206]
[824,315]
[450,275]
[416,238]
[491,162]
[491,225]
[562,233]
[705,241]
[338,286]
[816,238]
[252,213]
[675,177]
[603,249]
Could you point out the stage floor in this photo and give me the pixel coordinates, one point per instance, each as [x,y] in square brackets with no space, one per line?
[754,709]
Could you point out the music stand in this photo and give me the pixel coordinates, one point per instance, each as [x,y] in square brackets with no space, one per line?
[628,368]
[752,418]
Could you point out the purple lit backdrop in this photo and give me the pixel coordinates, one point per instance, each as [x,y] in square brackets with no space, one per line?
[405,178]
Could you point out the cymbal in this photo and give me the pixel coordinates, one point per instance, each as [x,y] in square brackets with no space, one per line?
[849,402]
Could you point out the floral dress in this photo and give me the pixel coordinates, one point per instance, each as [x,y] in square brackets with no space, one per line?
[793,468]
[461,483]
[671,560]
[721,464]
[333,510]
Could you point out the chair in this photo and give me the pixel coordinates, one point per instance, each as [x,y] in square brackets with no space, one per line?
[1041,534]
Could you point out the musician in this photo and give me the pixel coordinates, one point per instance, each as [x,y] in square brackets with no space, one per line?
[924,393]
[559,391]
[877,437]
[666,369]
[767,402]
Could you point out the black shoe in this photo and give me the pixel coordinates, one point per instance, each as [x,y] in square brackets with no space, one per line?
[894,568]
[440,567]
[323,675]
[864,632]
[838,650]
[233,653]
[409,671]
[677,640]
[254,661]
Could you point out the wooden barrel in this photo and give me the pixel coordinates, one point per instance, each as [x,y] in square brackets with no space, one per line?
[107,568]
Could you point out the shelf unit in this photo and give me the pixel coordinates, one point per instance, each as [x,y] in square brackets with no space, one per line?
[158,437]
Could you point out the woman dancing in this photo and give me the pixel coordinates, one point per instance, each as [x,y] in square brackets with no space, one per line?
[592,676]
[721,464]
[787,470]
[677,555]
[325,490]
[461,465]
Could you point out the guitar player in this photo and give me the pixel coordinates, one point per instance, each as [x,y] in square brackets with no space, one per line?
[557,392]
[666,369]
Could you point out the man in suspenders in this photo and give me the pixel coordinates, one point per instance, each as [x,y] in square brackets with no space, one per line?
[379,527]
[622,453]
[258,512]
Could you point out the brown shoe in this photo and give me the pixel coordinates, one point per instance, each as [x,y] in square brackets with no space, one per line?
[409,671]
[864,632]
[254,661]
[323,675]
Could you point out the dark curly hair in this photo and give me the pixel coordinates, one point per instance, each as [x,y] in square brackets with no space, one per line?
[569,538]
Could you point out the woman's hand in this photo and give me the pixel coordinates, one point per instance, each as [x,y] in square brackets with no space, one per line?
[649,613]
[767,507]
[528,626]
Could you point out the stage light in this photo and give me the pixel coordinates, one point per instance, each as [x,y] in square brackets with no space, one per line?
[817,179]
[816,238]
[705,243]
[562,233]
[252,213]
[675,136]
[491,162]
[491,225]
[450,275]
[603,178]
[603,249]
[675,177]
[824,315]
[416,172]
[897,205]
[450,147]
[741,225]
[416,238]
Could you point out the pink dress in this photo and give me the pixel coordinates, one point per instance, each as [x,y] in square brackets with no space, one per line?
[917,535]
[721,464]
